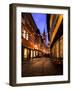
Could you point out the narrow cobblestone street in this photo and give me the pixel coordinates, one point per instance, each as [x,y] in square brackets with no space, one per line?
[42,44]
[41,67]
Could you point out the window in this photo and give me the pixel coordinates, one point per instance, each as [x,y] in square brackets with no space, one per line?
[25,53]
[36,53]
[25,35]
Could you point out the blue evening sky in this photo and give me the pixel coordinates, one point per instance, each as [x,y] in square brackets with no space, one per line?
[40,20]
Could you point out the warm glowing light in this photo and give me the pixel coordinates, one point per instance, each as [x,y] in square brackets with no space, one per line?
[36,47]
[27,36]
[24,33]
[44,50]
[25,53]
[34,53]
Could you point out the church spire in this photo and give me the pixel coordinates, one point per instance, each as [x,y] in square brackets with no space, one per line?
[44,36]
[44,33]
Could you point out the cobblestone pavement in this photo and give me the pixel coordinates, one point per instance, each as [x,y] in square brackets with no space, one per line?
[41,67]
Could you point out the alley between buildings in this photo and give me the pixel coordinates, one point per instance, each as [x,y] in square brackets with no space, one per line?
[41,44]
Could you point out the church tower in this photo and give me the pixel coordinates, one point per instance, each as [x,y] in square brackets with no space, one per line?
[44,37]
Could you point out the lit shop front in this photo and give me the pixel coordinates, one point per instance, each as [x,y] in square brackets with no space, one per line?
[28,53]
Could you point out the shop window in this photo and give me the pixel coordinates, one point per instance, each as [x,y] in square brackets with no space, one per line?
[25,53]
[36,53]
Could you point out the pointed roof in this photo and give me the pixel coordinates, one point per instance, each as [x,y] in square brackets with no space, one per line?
[44,33]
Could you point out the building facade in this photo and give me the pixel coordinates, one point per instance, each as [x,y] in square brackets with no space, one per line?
[55,32]
[27,28]
[31,40]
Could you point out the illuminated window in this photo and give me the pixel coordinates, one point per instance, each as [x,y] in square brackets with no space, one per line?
[36,53]
[27,36]
[24,34]
[25,53]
